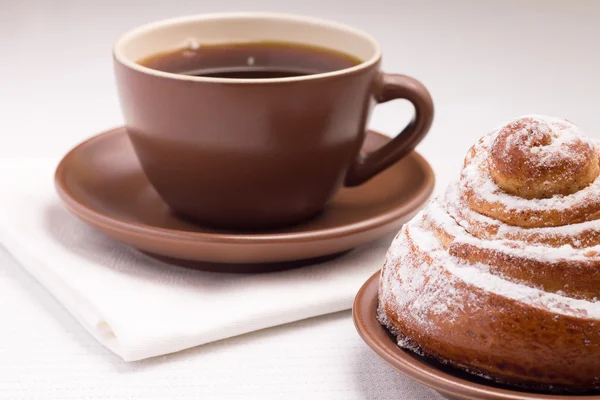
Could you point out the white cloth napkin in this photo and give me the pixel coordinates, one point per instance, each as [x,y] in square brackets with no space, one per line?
[140,307]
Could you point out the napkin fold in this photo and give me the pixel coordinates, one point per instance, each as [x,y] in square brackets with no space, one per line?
[140,307]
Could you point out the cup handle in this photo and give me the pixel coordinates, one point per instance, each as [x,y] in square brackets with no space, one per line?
[390,87]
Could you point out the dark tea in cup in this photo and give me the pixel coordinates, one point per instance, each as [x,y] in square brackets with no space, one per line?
[259,60]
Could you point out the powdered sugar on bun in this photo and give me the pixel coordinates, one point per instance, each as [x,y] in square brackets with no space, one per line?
[501,276]
[534,172]
[539,157]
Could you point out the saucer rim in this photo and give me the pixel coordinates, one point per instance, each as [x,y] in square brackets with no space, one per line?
[364,315]
[112,222]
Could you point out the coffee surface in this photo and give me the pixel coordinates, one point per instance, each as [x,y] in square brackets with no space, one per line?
[256,60]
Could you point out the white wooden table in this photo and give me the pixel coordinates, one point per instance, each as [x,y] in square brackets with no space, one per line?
[484,62]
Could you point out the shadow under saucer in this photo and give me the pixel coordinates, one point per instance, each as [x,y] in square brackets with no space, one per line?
[245,268]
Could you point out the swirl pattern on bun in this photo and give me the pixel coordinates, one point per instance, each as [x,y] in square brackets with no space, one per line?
[501,276]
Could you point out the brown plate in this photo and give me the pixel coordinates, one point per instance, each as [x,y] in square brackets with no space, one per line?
[450,382]
[101,181]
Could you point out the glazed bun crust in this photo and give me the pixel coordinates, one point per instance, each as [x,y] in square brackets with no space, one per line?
[501,276]
[537,159]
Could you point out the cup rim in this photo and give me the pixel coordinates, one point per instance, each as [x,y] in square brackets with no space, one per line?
[120,57]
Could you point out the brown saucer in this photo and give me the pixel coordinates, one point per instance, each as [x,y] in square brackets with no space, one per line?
[101,181]
[448,381]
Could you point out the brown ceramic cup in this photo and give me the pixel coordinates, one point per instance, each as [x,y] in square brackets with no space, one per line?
[258,153]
